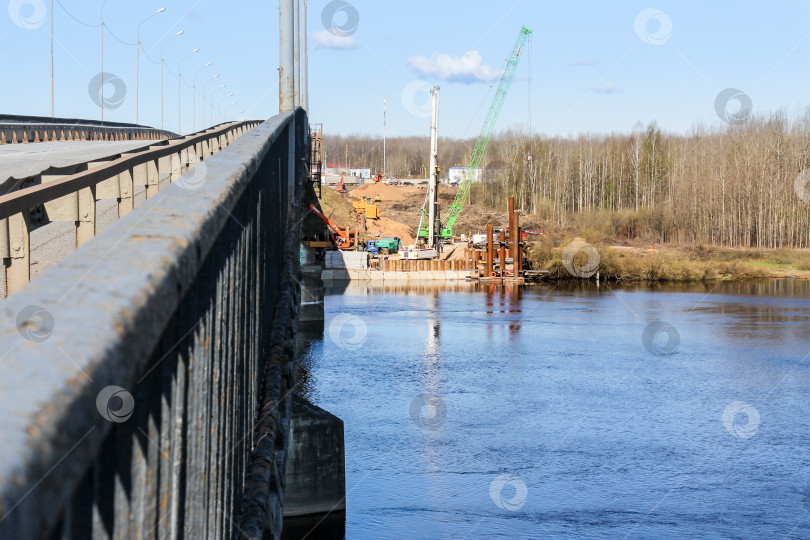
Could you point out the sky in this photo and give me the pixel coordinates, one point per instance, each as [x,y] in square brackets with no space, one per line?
[590,67]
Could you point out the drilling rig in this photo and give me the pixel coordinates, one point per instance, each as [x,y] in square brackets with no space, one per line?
[480,148]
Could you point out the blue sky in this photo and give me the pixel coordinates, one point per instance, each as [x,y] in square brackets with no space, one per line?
[596,66]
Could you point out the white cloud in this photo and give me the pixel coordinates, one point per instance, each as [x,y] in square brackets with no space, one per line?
[584,62]
[608,88]
[327,40]
[467,69]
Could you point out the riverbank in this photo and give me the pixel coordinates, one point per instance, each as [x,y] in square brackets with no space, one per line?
[621,259]
[629,263]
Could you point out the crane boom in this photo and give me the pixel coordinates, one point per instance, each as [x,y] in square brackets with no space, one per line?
[477,156]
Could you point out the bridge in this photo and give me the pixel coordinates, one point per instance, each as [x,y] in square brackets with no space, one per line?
[148,387]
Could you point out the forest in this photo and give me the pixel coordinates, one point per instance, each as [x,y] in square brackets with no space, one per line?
[737,185]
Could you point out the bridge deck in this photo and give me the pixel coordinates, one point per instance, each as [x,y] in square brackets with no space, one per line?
[24,160]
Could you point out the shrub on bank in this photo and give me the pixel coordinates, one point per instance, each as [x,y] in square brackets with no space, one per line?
[682,266]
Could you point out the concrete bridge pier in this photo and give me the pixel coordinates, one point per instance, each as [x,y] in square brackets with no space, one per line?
[311,315]
[315,482]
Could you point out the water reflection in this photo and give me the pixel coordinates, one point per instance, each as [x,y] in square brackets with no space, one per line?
[554,385]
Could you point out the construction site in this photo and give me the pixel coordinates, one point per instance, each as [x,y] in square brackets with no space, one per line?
[381,230]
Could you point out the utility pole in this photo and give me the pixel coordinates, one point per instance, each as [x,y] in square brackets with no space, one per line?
[384,127]
[304,59]
[434,226]
[286,85]
[52,82]
[297,53]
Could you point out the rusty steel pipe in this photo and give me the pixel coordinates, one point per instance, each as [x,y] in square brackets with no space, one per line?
[490,248]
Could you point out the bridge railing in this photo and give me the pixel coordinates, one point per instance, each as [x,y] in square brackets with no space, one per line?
[145,387]
[73,198]
[28,129]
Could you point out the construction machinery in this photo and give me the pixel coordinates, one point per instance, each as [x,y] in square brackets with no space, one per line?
[341,187]
[340,238]
[379,177]
[384,246]
[316,155]
[366,207]
[430,222]
[480,148]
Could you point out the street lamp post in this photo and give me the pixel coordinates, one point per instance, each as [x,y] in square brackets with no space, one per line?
[138,61]
[101,27]
[205,90]
[179,67]
[194,92]
[211,115]
[180,33]
[52,82]
[219,107]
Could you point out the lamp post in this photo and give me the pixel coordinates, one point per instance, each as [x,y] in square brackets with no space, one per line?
[138,61]
[194,92]
[179,67]
[178,34]
[205,90]
[211,114]
[219,107]
[52,114]
[101,27]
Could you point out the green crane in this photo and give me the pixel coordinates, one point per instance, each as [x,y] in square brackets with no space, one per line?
[477,156]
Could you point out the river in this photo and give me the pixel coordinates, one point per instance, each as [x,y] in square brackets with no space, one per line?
[569,411]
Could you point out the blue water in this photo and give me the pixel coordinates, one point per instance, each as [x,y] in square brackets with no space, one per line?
[544,415]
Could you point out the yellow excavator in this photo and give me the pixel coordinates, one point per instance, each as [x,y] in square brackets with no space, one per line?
[367,207]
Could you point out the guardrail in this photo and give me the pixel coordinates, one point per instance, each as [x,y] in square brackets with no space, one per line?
[73,198]
[145,389]
[28,129]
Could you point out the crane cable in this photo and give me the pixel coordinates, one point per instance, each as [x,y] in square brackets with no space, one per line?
[531,139]
[531,43]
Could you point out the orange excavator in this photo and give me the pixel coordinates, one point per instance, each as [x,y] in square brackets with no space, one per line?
[341,187]
[379,177]
[342,239]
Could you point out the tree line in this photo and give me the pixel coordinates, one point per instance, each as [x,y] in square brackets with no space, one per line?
[737,185]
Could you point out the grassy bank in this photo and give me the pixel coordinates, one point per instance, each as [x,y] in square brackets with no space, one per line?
[675,263]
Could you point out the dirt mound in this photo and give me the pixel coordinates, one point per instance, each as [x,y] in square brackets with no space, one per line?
[388,227]
[388,193]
